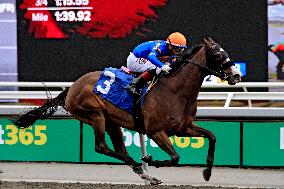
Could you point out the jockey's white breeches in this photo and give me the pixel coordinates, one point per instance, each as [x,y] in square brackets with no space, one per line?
[138,64]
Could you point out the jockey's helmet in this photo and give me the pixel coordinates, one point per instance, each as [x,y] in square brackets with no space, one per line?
[177,39]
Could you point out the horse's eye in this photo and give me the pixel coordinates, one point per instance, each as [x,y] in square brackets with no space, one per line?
[218,56]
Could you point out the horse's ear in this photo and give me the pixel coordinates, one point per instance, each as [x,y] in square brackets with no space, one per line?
[211,40]
[206,41]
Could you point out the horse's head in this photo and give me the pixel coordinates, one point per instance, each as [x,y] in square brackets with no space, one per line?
[219,61]
[216,62]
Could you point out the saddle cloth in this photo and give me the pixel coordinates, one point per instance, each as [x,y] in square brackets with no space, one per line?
[112,86]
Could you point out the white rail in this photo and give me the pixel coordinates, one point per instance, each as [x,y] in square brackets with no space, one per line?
[225,96]
[228,97]
[36,84]
[204,85]
[243,84]
[249,96]
[219,113]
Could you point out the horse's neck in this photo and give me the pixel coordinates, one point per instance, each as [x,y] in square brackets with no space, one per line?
[191,75]
[185,85]
[182,87]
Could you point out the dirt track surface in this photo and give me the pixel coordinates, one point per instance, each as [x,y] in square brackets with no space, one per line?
[25,185]
[23,175]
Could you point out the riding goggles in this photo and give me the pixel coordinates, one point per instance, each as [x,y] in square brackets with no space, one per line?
[178,49]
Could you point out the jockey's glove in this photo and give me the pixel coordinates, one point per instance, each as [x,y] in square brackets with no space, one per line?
[166,68]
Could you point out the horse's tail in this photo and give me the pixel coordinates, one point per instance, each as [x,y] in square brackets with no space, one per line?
[42,112]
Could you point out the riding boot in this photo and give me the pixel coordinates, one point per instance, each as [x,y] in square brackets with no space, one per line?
[139,82]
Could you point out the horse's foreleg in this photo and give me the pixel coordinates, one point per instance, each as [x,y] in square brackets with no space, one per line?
[162,140]
[196,131]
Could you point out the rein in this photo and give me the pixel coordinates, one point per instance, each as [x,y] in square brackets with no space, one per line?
[221,75]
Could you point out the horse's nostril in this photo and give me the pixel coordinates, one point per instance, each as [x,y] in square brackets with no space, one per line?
[237,76]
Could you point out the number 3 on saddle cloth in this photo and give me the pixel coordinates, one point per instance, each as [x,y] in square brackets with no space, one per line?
[112,86]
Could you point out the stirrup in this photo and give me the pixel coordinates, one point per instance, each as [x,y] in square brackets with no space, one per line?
[132,88]
[135,92]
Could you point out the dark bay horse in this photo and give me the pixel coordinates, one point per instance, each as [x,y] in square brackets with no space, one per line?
[169,108]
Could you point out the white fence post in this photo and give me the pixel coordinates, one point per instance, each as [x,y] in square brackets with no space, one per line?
[144,153]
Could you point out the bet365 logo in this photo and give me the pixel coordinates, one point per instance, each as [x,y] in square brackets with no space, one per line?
[180,142]
[11,135]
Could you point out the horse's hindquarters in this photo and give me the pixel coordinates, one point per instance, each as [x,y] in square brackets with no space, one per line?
[80,96]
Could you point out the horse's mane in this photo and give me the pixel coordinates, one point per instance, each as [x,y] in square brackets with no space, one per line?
[186,55]
[191,51]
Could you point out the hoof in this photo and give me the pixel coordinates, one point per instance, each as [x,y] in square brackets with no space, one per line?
[206,174]
[147,159]
[155,181]
[138,170]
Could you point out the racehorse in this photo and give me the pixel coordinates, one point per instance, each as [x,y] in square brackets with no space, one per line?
[168,109]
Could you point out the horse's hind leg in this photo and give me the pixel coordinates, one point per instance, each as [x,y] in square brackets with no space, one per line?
[98,122]
[120,152]
[96,119]
[196,131]
[117,140]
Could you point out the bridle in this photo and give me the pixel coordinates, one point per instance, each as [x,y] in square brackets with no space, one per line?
[226,63]
[208,71]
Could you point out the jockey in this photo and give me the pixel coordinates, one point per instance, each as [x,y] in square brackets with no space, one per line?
[278,50]
[145,58]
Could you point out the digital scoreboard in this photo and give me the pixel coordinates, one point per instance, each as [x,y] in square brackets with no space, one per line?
[60,40]
[87,18]
[64,11]
[56,18]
